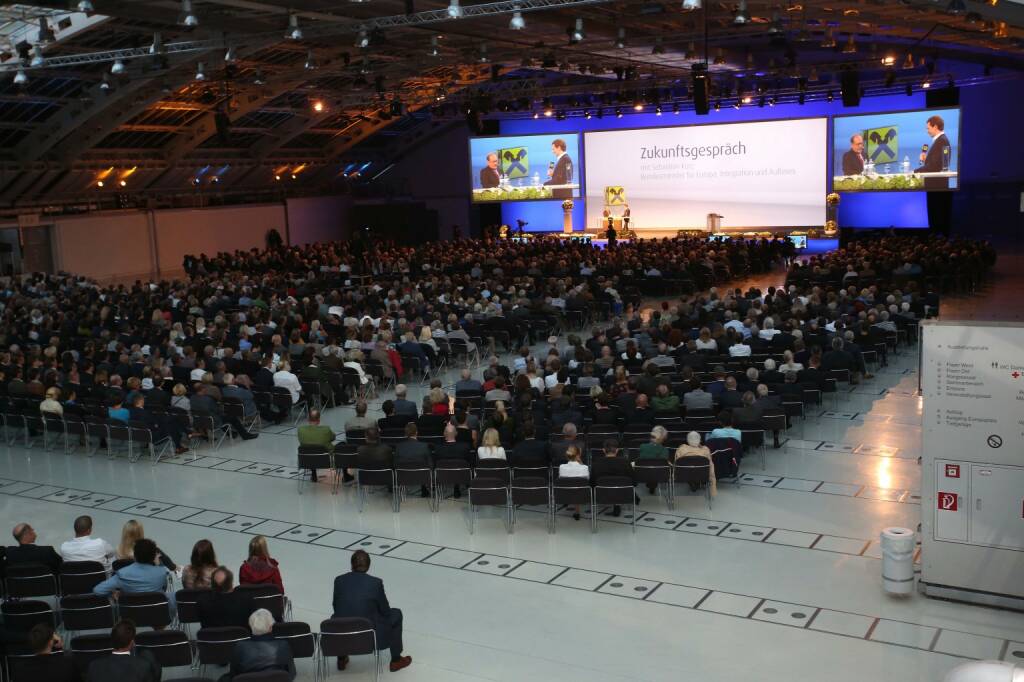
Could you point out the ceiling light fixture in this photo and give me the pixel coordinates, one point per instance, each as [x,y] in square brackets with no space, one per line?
[310,64]
[577,34]
[851,45]
[434,49]
[620,41]
[86,7]
[690,5]
[294,30]
[888,60]
[517,23]
[37,57]
[187,16]
[200,71]
[829,40]
[157,46]
[363,41]
[908,63]
[740,18]
[229,55]
[454,10]
[118,68]
[719,56]
[483,53]
[20,78]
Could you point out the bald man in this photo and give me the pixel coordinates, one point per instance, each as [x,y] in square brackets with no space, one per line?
[26,551]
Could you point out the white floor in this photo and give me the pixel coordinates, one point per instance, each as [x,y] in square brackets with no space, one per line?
[781,581]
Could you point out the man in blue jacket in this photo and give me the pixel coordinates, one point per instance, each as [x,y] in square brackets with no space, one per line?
[358,595]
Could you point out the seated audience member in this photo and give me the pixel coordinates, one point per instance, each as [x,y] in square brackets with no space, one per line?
[611,464]
[131,532]
[413,453]
[126,663]
[693,448]
[391,419]
[261,652]
[260,568]
[51,405]
[726,429]
[490,446]
[284,378]
[223,605]
[557,448]
[49,664]
[360,422]
[143,575]
[665,401]
[529,449]
[749,412]
[499,392]
[28,552]
[84,547]
[162,426]
[403,406]
[655,449]
[454,449]
[196,576]
[180,398]
[730,398]
[315,433]
[467,384]
[697,398]
[574,468]
[373,454]
[204,405]
[360,595]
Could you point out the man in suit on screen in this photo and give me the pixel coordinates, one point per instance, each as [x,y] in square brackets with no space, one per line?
[490,176]
[933,159]
[561,174]
[853,159]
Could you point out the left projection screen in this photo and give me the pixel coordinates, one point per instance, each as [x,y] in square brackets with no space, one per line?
[525,167]
[755,175]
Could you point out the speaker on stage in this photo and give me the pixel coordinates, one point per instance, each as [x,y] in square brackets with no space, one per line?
[700,88]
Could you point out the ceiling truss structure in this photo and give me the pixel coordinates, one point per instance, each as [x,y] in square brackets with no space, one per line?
[116,94]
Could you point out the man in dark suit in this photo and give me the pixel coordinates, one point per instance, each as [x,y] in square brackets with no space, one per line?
[610,465]
[222,606]
[853,158]
[358,595]
[27,552]
[162,425]
[452,447]
[49,663]
[412,453]
[157,398]
[936,158]
[124,665]
[561,174]
[373,454]
[731,398]
[262,652]
[490,176]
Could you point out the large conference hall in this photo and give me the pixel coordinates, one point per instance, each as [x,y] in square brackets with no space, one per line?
[547,340]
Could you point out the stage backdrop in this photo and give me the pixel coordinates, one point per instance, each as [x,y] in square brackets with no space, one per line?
[765,174]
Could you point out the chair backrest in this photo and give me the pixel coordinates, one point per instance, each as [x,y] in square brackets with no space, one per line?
[146,609]
[86,612]
[170,648]
[30,580]
[214,645]
[79,577]
[347,637]
[299,636]
[23,615]
[268,597]
[88,648]
[187,604]
[692,469]
[530,490]
[264,676]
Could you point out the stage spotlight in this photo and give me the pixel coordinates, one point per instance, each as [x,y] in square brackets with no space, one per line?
[586,114]
[363,41]
[638,106]
[675,109]
[718,105]
[454,10]
[908,63]
[123,183]
[118,68]
[690,5]
[200,71]
[85,6]
[294,30]
[657,110]
[318,106]
[547,107]
[187,16]
[719,56]
[517,23]
[888,60]
[620,41]
[740,18]
[434,51]
[747,99]
[577,34]
[618,112]
[536,116]
[99,183]
[829,96]
[909,89]
[37,57]
[771,102]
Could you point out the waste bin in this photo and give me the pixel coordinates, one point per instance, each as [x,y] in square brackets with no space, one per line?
[898,560]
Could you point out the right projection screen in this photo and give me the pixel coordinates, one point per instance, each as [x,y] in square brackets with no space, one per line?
[753,175]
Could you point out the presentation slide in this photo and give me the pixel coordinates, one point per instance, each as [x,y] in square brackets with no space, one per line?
[908,150]
[524,167]
[730,176]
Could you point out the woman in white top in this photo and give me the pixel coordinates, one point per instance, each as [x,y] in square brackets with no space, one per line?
[769,330]
[789,365]
[490,447]
[574,468]
[704,341]
[284,378]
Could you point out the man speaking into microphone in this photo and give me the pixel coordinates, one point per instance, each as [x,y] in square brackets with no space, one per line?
[561,174]
[932,157]
[853,159]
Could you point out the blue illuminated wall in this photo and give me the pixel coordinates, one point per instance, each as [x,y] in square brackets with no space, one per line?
[986,110]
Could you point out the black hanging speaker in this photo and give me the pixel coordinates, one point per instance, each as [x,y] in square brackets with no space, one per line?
[223,124]
[942,97]
[849,83]
[700,88]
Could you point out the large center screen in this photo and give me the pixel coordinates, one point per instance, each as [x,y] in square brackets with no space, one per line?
[524,167]
[736,175]
[909,150]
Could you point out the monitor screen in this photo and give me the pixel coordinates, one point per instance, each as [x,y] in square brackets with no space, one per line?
[719,176]
[524,167]
[901,151]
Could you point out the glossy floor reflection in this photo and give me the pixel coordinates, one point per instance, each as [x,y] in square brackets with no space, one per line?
[779,581]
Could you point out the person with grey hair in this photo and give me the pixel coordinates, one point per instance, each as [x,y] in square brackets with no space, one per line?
[467,384]
[261,652]
[402,405]
[693,448]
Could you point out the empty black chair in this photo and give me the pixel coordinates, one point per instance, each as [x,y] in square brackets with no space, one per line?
[695,471]
[170,648]
[753,437]
[450,472]
[88,648]
[373,477]
[489,492]
[615,490]
[79,577]
[531,468]
[421,477]
[311,458]
[86,612]
[656,472]
[347,637]
[146,609]
[23,615]
[300,638]
[571,491]
[493,468]
[529,490]
[30,580]
[187,604]
[214,645]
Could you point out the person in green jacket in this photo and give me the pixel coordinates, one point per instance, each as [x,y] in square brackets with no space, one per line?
[655,450]
[664,401]
[315,434]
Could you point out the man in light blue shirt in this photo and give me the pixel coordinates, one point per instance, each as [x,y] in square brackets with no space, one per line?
[144,575]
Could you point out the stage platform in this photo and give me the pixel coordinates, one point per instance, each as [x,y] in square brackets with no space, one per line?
[805,245]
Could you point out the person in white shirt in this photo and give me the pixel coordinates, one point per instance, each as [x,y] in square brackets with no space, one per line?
[490,447]
[574,468]
[284,378]
[84,547]
[739,350]
[769,330]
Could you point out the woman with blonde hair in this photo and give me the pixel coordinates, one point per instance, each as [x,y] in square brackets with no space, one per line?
[180,398]
[490,446]
[51,405]
[260,568]
[693,448]
[131,533]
